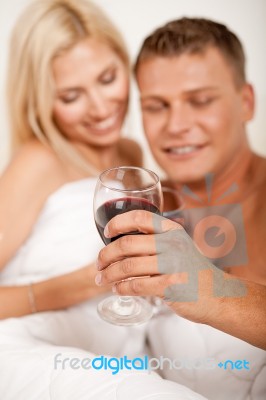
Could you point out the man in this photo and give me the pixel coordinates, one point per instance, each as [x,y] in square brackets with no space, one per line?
[196,103]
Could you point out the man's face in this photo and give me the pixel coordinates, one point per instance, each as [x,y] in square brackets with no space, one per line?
[193,113]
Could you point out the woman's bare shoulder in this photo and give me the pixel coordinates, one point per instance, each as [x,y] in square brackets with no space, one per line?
[31,176]
[131,152]
[34,163]
[34,152]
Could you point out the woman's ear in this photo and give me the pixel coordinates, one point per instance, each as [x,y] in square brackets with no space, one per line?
[248,102]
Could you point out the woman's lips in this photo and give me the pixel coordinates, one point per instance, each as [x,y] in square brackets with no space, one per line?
[106,125]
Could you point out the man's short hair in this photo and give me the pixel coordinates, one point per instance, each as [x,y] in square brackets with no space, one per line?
[194,36]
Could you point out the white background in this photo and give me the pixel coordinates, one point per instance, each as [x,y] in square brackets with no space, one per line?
[136,19]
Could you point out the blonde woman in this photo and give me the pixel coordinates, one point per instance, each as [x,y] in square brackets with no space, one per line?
[68,94]
[68,88]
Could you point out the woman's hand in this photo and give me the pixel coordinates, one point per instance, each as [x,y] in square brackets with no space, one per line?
[51,294]
[67,290]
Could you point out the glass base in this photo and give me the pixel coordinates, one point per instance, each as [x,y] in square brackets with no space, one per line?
[126,311]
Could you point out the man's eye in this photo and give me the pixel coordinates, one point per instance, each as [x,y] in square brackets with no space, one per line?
[153,108]
[201,102]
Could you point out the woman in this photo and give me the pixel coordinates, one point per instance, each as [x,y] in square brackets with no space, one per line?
[68,89]
[68,94]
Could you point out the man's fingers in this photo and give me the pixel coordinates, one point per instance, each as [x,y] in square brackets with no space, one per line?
[126,246]
[128,268]
[150,286]
[138,220]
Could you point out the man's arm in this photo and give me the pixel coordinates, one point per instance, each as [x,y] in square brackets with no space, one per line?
[171,267]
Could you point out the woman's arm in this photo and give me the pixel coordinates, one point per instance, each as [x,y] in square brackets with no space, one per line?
[34,173]
[52,294]
[31,177]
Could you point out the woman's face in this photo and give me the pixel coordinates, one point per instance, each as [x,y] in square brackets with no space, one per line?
[91,93]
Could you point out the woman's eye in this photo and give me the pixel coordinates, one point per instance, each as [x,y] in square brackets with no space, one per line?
[69,100]
[108,78]
[69,97]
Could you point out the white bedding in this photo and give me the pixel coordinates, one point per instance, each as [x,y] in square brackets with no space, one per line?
[61,241]
[65,238]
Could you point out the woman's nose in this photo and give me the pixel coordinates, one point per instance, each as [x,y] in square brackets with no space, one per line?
[98,105]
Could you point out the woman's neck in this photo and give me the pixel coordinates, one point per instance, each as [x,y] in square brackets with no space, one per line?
[100,157]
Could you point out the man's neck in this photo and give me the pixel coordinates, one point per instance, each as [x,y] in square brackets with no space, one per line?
[231,183]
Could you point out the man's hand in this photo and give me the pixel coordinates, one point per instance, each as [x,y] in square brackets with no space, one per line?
[164,262]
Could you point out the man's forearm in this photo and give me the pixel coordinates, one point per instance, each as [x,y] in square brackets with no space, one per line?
[243,317]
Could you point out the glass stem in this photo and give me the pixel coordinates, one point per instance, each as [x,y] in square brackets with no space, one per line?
[126,305]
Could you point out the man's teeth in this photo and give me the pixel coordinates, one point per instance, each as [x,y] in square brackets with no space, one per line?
[107,123]
[183,150]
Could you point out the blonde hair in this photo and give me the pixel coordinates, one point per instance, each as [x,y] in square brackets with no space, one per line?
[44,30]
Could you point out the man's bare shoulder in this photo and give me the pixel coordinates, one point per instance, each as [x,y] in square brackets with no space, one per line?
[259,172]
[258,185]
[259,162]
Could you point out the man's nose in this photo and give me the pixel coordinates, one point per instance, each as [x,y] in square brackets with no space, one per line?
[98,105]
[179,120]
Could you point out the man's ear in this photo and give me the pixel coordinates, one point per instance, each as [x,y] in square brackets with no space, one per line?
[248,102]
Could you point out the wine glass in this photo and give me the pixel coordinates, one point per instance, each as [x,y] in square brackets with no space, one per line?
[173,205]
[117,191]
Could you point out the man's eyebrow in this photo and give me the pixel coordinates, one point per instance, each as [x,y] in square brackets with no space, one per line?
[186,92]
[201,89]
[151,97]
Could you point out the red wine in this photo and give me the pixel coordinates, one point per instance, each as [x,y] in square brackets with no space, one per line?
[119,206]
